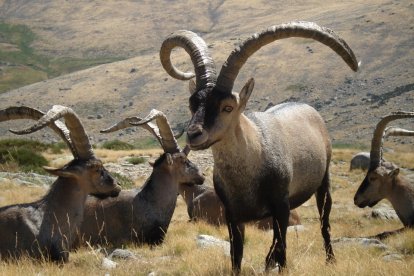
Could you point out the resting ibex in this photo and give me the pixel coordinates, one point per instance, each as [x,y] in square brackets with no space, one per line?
[265,163]
[204,204]
[46,228]
[143,215]
[361,160]
[384,181]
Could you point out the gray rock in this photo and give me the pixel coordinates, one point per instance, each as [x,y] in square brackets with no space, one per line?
[367,242]
[122,254]
[108,264]
[384,212]
[206,241]
[390,257]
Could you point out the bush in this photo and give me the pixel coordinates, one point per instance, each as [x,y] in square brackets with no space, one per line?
[117,145]
[136,160]
[27,159]
[125,182]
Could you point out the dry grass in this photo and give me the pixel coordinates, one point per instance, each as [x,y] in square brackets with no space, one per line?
[179,254]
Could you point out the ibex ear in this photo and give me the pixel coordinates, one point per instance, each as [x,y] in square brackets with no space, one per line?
[393,173]
[169,159]
[64,172]
[246,92]
[192,86]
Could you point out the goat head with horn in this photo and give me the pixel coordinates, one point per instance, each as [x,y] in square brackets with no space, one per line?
[46,228]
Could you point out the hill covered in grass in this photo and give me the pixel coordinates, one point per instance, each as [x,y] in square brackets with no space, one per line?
[381,33]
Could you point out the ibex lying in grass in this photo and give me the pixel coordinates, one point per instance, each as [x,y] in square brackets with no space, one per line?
[268,162]
[204,204]
[143,215]
[384,181]
[46,228]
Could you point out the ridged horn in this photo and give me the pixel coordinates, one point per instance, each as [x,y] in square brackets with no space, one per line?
[377,139]
[25,112]
[169,143]
[396,131]
[78,136]
[127,122]
[204,67]
[239,55]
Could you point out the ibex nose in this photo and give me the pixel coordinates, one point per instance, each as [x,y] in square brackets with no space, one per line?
[194,131]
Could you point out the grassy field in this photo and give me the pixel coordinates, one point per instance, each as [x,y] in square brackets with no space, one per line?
[179,254]
[21,65]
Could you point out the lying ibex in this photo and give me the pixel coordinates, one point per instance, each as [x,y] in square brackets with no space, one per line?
[143,215]
[361,160]
[46,228]
[265,163]
[204,204]
[383,181]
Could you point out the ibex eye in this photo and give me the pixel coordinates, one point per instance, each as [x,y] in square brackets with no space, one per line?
[228,108]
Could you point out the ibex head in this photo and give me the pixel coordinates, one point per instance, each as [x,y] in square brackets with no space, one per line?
[85,169]
[381,176]
[173,159]
[214,106]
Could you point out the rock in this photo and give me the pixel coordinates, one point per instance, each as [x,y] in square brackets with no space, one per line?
[108,264]
[205,241]
[296,228]
[367,242]
[122,254]
[384,212]
[389,257]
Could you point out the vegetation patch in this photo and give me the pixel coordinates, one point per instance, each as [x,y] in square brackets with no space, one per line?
[117,145]
[146,143]
[125,182]
[20,65]
[135,160]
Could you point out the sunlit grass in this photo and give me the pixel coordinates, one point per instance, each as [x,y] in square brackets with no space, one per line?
[180,255]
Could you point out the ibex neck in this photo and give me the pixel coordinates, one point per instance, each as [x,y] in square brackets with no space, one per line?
[402,200]
[241,145]
[161,187]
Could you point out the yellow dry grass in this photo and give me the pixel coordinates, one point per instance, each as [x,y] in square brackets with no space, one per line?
[179,254]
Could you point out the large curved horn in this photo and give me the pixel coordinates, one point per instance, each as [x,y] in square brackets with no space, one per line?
[239,56]
[25,112]
[205,70]
[127,122]
[78,136]
[376,143]
[396,131]
[168,143]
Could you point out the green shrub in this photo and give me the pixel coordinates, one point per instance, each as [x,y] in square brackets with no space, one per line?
[125,182]
[27,159]
[19,143]
[117,145]
[136,160]
[146,143]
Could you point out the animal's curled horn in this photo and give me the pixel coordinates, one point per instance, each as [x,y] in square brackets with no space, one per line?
[376,143]
[168,141]
[25,112]
[78,137]
[396,131]
[205,69]
[239,56]
[127,122]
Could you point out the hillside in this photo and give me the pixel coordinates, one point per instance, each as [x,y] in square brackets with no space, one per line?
[380,32]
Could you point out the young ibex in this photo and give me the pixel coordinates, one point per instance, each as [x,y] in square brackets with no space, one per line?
[46,228]
[383,180]
[204,204]
[143,215]
[268,162]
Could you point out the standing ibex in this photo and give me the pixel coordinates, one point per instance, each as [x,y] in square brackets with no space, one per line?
[143,215]
[204,204]
[383,180]
[46,228]
[268,162]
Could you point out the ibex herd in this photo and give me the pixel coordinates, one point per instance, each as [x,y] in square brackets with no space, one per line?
[265,165]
